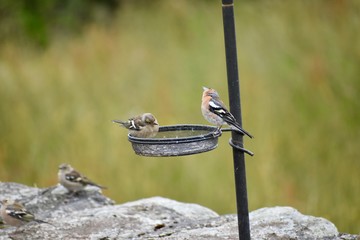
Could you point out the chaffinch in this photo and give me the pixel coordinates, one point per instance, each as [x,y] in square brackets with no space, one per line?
[142,126]
[15,214]
[73,180]
[214,111]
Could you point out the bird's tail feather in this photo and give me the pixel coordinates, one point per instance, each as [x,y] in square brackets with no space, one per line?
[99,186]
[41,221]
[118,121]
[241,130]
[96,185]
[122,123]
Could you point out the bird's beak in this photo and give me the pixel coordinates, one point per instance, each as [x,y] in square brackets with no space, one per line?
[205,88]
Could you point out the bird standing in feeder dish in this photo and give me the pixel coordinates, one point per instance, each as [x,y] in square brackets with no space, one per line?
[142,126]
[214,111]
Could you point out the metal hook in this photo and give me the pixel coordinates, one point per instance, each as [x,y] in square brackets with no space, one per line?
[240,148]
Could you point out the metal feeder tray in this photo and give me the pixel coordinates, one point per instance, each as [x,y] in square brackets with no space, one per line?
[177,140]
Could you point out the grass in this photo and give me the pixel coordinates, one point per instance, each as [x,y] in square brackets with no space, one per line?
[300,91]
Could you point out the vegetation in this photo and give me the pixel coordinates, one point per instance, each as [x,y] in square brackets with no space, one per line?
[299,69]
[38,22]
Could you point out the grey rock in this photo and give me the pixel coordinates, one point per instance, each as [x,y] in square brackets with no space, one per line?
[90,215]
[44,202]
[288,223]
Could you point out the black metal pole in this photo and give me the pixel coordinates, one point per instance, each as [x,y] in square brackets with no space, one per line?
[235,109]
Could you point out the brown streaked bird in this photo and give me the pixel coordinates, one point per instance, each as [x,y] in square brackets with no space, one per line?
[73,180]
[15,214]
[142,126]
[215,112]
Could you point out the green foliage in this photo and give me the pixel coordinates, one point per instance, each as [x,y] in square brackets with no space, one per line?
[37,21]
[299,75]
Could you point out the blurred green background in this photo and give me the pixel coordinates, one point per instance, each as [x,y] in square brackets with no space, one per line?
[67,68]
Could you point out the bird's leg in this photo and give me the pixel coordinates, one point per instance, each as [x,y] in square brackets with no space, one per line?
[218,129]
[72,194]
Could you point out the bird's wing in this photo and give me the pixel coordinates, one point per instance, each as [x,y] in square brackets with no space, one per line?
[217,107]
[74,176]
[19,213]
[137,124]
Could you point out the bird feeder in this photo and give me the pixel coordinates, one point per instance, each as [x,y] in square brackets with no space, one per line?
[179,140]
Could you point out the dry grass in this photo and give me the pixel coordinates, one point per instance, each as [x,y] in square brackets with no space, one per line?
[299,68]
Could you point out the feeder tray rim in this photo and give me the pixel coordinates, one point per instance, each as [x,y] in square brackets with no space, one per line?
[213,133]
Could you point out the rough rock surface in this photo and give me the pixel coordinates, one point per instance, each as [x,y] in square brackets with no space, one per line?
[90,215]
[288,223]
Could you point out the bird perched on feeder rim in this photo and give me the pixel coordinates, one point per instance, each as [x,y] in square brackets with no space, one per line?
[142,126]
[215,112]
[15,214]
[72,180]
